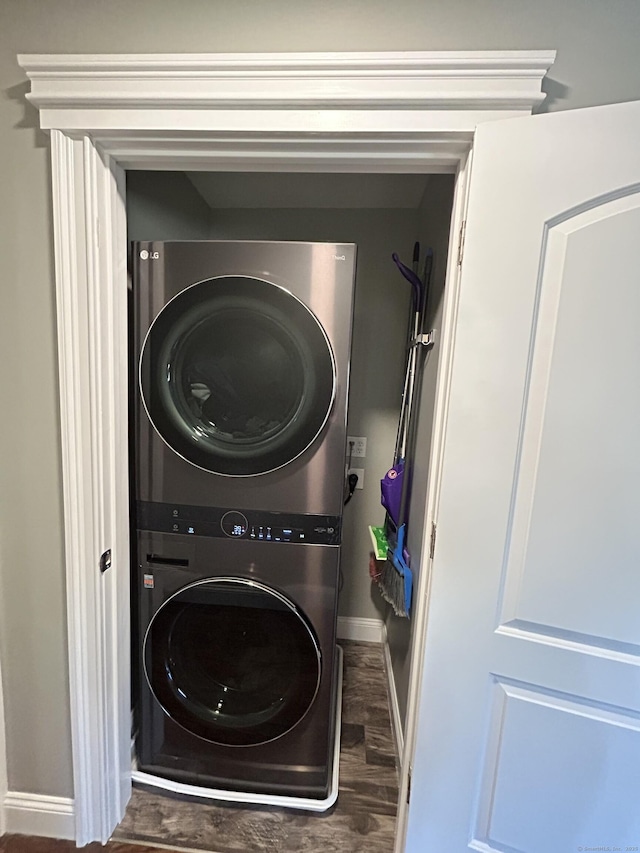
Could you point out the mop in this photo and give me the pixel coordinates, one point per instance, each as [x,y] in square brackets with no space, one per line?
[395,579]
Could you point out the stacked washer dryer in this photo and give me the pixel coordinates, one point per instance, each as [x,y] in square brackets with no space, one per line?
[239,446]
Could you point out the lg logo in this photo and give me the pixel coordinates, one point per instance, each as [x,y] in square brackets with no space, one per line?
[144,255]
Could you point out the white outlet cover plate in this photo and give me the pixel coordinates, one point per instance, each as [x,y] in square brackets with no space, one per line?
[359,446]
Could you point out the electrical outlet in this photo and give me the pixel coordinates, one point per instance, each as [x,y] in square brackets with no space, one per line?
[359,446]
[360,473]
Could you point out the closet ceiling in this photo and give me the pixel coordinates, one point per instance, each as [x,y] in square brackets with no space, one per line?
[295,190]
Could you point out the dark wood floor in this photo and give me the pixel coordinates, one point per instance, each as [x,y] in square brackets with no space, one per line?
[31,844]
[362,821]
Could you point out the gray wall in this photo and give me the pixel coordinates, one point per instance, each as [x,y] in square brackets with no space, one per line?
[165,206]
[597,63]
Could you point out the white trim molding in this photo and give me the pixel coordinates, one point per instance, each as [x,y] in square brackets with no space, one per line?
[361,629]
[88,231]
[413,111]
[463,80]
[38,814]
[396,716]
[3,765]
[350,112]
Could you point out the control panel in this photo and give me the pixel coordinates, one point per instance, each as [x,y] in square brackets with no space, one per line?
[253,525]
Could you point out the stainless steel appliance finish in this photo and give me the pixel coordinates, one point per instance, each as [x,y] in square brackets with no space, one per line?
[236,669]
[243,353]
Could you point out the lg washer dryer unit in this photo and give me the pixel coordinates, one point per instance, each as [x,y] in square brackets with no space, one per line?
[236,674]
[243,353]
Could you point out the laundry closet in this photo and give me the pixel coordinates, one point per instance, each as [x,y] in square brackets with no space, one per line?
[525,665]
[381,214]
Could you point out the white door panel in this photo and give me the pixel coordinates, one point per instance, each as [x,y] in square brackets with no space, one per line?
[529,735]
[568,561]
[545,791]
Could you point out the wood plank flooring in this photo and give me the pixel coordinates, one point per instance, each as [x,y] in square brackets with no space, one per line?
[362,821]
[33,844]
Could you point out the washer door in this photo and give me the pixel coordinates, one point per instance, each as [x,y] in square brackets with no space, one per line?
[237,375]
[232,661]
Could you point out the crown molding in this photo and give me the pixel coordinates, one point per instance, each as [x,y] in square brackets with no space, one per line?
[504,81]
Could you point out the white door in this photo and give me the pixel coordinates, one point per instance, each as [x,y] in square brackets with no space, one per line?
[529,726]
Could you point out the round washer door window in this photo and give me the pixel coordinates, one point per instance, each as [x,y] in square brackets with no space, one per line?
[237,375]
[232,661]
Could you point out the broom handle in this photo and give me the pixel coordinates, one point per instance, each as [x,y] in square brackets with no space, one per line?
[411,383]
[401,436]
[415,371]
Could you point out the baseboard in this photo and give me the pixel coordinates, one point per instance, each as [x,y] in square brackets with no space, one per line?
[363,630]
[3,766]
[396,717]
[38,814]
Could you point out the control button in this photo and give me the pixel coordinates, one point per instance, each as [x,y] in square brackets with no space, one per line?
[234,524]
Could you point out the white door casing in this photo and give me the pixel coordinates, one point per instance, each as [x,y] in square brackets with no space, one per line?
[3,764]
[529,724]
[390,112]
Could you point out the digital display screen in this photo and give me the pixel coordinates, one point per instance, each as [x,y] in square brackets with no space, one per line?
[234,524]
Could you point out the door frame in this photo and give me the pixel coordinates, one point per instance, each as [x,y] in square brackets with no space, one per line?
[324,112]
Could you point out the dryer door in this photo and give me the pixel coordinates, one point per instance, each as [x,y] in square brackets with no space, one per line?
[237,375]
[232,661]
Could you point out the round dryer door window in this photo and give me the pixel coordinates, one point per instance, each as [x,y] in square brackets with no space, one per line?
[237,375]
[232,661]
